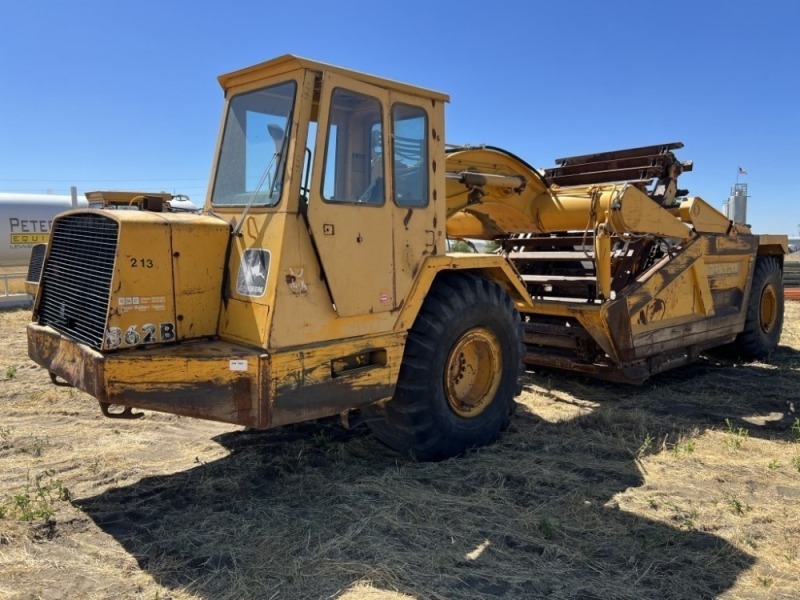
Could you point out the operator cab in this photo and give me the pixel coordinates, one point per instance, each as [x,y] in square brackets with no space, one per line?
[359,158]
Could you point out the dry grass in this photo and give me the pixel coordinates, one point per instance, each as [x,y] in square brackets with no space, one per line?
[12,280]
[687,487]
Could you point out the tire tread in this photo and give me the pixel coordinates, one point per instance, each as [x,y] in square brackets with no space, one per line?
[414,424]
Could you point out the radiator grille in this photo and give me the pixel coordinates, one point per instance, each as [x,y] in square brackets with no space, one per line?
[35,263]
[76,282]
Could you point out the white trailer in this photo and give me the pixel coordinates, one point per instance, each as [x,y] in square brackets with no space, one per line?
[25,220]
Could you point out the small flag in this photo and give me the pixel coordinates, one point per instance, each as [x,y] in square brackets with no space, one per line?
[742,171]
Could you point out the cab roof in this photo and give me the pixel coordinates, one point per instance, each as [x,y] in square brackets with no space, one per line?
[289,62]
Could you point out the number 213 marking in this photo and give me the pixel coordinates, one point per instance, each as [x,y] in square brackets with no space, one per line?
[145,263]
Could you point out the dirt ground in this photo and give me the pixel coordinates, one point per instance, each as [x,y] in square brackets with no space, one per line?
[687,487]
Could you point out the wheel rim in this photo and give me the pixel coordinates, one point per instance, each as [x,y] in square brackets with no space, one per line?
[473,372]
[768,309]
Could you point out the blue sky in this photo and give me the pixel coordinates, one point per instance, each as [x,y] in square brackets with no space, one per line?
[122,95]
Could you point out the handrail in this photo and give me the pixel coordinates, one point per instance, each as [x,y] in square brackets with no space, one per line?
[11,276]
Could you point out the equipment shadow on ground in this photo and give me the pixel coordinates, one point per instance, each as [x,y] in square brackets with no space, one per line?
[309,511]
[715,391]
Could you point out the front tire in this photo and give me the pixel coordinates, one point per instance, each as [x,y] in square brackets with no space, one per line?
[460,371]
[764,319]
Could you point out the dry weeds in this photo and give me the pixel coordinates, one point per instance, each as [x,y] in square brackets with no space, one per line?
[12,280]
[685,488]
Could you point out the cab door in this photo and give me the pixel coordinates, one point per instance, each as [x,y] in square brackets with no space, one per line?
[414,122]
[349,212]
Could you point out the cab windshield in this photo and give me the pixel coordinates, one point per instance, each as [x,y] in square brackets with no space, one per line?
[252,158]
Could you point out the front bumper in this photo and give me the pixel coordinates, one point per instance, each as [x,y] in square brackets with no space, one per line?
[224,381]
[206,379]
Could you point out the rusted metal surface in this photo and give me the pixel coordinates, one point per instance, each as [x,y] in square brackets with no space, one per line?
[293,404]
[211,380]
[225,382]
[630,264]
[707,333]
[126,413]
[776,245]
[792,293]
[635,375]
[215,400]
[553,335]
[633,372]
[77,364]
[327,380]
[619,154]
[685,303]
[637,166]
[214,380]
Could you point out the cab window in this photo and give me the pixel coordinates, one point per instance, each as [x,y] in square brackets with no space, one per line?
[252,156]
[409,155]
[354,150]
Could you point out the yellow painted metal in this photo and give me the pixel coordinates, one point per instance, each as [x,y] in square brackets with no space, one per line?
[327,379]
[473,372]
[773,244]
[370,253]
[704,217]
[674,303]
[245,317]
[602,260]
[228,382]
[214,380]
[198,264]
[124,199]
[729,263]
[419,233]
[493,267]
[303,312]
[320,354]
[685,296]
[671,305]
[141,286]
[75,363]
[768,309]
[538,209]
[629,210]
[500,210]
[289,64]
[167,278]
[343,282]
[296,308]
[355,233]
[701,288]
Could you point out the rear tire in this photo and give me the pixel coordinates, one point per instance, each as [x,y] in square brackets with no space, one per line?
[460,371]
[764,319]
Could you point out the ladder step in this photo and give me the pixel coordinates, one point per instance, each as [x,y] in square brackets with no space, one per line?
[555,255]
[577,301]
[570,241]
[558,279]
